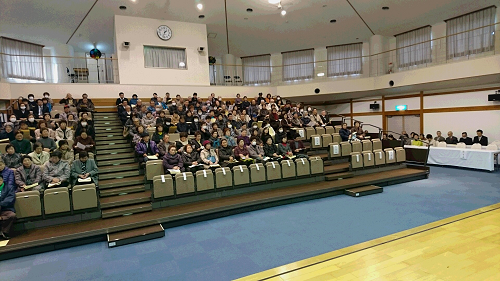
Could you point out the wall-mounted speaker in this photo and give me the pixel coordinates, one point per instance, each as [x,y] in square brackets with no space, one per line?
[375,106]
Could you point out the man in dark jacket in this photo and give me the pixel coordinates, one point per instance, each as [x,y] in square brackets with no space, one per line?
[465,139]
[480,138]
[451,139]
[120,100]
[146,148]
[344,132]
[7,212]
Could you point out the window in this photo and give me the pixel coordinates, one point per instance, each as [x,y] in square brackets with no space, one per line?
[414,47]
[344,59]
[471,33]
[22,60]
[298,65]
[256,69]
[163,57]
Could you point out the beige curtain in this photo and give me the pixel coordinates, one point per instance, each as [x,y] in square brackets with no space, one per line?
[344,59]
[21,60]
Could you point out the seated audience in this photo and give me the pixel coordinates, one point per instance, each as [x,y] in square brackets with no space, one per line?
[172,161]
[66,152]
[226,155]
[244,137]
[297,146]
[51,124]
[63,132]
[430,141]
[138,134]
[28,175]
[65,115]
[7,212]
[208,155]
[31,122]
[20,144]
[11,159]
[148,120]
[38,156]
[84,143]
[84,168]
[284,149]
[68,100]
[191,157]
[197,142]
[22,113]
[85,105]
[8,132]
[134,99]
[214,139]
[121,98]
[7,173]
[85,124]
[271,150]
[241,152]
[164,145]
[358,131]
[183,140]
[56,172]
[146,148]
[439,137]
[416,140]
[40,109]
[451,139]
[480,138]
[256,151]
[43,125]
[465,139]
[49,144]
[158,134]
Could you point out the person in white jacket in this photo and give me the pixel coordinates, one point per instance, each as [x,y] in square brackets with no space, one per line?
[63,132]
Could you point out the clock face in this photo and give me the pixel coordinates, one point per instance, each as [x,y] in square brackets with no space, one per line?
[164,32]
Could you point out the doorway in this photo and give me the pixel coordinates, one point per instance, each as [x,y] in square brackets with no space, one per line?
[399,123]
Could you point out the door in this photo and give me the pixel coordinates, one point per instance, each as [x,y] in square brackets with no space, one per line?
[399,123]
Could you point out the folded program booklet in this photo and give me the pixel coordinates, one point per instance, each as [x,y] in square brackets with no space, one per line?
[30,186]
[173,172]
[152,157]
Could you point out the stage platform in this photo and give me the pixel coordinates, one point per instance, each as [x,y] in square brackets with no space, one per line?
[69,235]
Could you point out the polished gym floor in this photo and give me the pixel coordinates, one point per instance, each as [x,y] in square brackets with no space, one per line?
[245,244]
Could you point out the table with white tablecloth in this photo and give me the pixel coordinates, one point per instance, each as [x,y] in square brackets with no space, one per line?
[461,157]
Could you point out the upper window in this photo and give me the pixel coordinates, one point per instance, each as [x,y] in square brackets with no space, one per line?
[472,33]
[344,59]
[21,60]
[414,47]
[256,69]
[298,65]
[163,57]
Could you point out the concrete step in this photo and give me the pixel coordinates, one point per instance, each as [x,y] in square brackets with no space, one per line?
[121,190]
[114,155]
[118,168]
[135,235]
[124,200]
[115,162]
[103,143]
[117,150]
[120,174]
[109,137]
[126,210]
[112,183]
[106,131]
[108,124]
[338,176]
[104,146]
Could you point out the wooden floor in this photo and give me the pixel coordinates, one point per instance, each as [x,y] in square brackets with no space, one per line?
[463,247]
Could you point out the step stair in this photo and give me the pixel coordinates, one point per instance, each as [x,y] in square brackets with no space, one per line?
[118,168]
[115,155]
[120,175]
[121,190]
[135,235]
[124,200]
[126,210]
[336,168]
[104,143]
[115,145]
[115,162]
[112,183]
[363,191]
[117,150]
[109,137]
[103,132]
[334,177]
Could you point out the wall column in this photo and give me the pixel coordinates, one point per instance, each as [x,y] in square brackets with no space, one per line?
[229,68]
[379,62]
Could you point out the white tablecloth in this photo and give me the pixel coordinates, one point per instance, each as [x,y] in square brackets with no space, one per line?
[468,158]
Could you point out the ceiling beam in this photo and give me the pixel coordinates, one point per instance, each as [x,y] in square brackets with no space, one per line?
[227,33]
[360,17]
[81,21]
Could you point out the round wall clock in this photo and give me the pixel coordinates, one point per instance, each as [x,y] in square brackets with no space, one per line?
[164,32]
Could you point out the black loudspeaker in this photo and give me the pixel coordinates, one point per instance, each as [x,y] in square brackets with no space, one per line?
[374,106]
[494,97]
[317,90]
[391,83]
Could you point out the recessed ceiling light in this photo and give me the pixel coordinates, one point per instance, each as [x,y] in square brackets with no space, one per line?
[333,21]
[385,8]
[199,6]
[123,8]
[245,18]
[249,10]
[133,1]
[201,16]
[324,6]
[283,12]
[274,1]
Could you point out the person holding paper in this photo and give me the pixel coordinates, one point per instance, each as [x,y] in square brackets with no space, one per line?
[67,154]
[84,169]
[29,176]
[297,146]
[270,150]
[208,155]
[191,159]
[146,148]
[7,211]
[226,155]
[172,161]
[241,152]
[84,143]
[56,172]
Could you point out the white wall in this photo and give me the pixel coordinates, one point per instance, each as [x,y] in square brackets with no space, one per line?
[375,120]
[5,91]
[142,31]
[412,103]
[458,122]
[58,91]
[459,100]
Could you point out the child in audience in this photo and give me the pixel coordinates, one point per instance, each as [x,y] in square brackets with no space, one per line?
[38,156]
[28,174]
[146,148]
[20,144]
[208,155]
[172,161]
[11,159]
[67,154]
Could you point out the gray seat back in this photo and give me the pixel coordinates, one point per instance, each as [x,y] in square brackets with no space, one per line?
[184,183]
[273,171]
[204,180]
[223,177]
[56,200]
[257,173]
[28,204]
[153,168]
[163,186]
[84,196]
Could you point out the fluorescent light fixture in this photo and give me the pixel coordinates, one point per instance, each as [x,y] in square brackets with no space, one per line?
[199,6]
[274,1]
[321,74]
[182,64]
[283,12]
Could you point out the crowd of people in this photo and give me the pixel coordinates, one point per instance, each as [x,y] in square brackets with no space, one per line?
[215,132]
[45,150]
[429,140]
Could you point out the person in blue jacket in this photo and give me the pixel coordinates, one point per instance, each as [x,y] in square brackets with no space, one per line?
[7,211]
